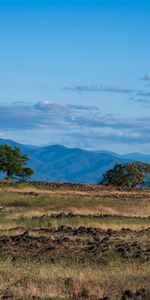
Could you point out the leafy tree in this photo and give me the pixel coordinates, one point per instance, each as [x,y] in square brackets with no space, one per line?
[14,163]
[126,175]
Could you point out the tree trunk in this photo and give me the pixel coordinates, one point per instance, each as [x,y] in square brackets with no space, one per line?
[9,173]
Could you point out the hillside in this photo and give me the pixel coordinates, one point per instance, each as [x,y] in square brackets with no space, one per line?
[61,164]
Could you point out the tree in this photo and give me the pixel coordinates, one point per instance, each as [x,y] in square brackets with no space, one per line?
[14,163]
[126,175]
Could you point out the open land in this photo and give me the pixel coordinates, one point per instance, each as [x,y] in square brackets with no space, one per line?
[72,241]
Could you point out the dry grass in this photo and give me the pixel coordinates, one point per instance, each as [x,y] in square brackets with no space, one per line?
[11,219]
[26,210]
[128,210]
[51,280]
[76,191]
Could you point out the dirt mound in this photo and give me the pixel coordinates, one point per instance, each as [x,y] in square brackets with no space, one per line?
[70,215]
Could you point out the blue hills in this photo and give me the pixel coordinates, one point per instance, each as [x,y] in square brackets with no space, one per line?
[61,164]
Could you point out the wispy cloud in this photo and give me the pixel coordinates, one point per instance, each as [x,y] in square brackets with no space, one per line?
[143,94]
[48,106]
[100,88]
[137,95]
[144,101]
[145,78]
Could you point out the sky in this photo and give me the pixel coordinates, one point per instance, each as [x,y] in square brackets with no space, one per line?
[76,73]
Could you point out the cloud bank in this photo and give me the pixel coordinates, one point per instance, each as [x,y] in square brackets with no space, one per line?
[71,125]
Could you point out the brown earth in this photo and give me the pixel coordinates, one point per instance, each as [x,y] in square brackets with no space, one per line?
[92,243]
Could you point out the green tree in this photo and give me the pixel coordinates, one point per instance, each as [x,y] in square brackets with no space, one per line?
[14,163]
[126,175]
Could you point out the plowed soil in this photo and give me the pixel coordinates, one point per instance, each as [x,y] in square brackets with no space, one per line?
[82,242]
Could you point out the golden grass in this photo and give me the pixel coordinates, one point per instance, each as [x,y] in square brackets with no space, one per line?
[115,225]
[20,210]
[50,280]
[103,224]
[129,210]
[32,205]
[97,191]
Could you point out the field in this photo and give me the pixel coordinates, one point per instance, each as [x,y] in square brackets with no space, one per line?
[61,241]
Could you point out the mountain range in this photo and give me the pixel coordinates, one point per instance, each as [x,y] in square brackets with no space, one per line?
[61,164]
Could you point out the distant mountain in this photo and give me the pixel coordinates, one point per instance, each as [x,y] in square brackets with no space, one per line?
[138,157]
[61,164]
[28,148]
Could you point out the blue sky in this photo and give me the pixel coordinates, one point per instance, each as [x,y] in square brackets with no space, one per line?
[76,73]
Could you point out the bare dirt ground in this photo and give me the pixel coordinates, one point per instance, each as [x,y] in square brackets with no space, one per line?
[89,243]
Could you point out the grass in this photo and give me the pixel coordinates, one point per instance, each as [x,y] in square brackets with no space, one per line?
[18,210]
[61,281]
[86,222]
[21,200]
[11,219]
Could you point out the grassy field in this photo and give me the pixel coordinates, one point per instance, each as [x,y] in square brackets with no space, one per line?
[74,243]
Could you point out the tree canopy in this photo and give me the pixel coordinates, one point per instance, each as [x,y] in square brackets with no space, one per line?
[14,163]
[126,175]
